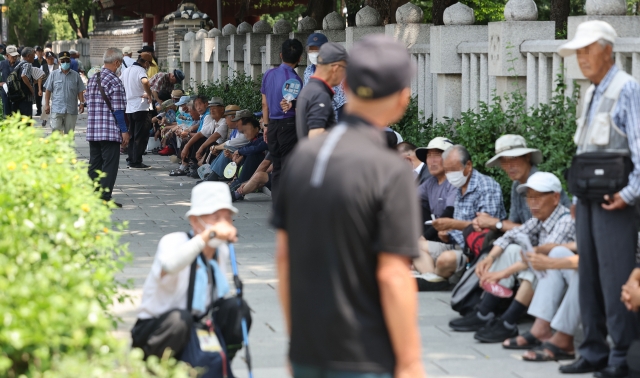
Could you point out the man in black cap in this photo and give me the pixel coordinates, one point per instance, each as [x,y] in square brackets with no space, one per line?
[39,62]
[351,221]
[314,111]
[162,84]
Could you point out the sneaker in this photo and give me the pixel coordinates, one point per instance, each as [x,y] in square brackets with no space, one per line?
[235,196]
[139,166]
[495,332]
[44,123]
[469,323]
[167,151]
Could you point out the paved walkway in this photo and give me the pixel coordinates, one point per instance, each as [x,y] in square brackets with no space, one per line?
[155,204]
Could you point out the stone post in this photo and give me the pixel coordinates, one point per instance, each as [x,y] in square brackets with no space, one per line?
[196,58]
[281,30]
[209,56]
[254,41]
[445,60]
[306,27]
[236,52]
[186,46]
[367,22]
[333,26]
[409,30]
[221,64]
[506,62]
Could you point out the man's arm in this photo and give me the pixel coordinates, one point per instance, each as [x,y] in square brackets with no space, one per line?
[447,224]
[282,264]
[26,81]
[400,308]
[146,87]
[315,132]
[47,98]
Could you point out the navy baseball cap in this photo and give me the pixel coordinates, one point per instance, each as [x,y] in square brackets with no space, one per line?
[179,75]
[379,67]
[317,39]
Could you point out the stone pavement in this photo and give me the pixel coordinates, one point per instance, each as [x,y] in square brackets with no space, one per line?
[155,204]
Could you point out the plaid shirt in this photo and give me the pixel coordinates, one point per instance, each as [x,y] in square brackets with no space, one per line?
[483,195]
[160,82]
[101,123]
[559,228]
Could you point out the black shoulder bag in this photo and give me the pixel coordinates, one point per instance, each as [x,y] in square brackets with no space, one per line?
[593,175]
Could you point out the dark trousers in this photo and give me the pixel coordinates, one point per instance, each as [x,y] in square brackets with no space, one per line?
[305,371]
[281,138]
[249,166]
[38,103]
[24,107]
[6,104]
[104,156]
[607,242]
[170,330]
[194,149]
[139,134]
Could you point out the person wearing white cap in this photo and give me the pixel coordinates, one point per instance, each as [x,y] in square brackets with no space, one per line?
[127,60]
[165,318]
[609,127]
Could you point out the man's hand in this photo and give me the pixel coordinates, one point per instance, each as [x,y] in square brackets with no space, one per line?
[493,277]
[285,105]
[443,224]
[483,266]
[47,109]
[125,139]
[414,370]
[224,231]
[184,134]
[631,291]
[185,153]
[227,154]
[538,260]
[199,153]
[81,108]
[615,203]
[40,92]
[444,236]
[264,134]
[484,220]
[239,190]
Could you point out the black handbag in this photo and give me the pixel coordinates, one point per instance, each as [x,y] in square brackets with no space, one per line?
[593,175]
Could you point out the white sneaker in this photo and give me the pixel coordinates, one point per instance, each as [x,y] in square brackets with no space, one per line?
[431,277]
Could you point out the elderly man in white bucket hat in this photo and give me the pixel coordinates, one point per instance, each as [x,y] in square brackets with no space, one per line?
[164,320]
[608,130]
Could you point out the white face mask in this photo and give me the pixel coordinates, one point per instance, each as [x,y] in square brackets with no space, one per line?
[313,57]
[457,178]
[213,243]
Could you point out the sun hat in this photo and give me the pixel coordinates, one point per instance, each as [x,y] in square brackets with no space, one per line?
[543,182]
[209,197]
[216,101]
[179,75]
[244,113]
[513,145]
[587,33]
[177,93]
[437,143]
[231,110]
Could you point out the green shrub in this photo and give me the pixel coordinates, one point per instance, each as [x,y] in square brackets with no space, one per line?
[548,127]
[239,89]
[59,253]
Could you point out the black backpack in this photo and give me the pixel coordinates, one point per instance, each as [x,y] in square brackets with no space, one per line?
[15,85]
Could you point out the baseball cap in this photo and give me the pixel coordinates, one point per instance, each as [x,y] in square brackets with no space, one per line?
[587,33]
[244,113]
[73,51]
[179,75]
[183,100]
[543,182]
[126,50]
[216,101]
[437,143]
[231,110]
[209,197]
[332,52]
[12,50]
[379,66]
[147,56]
[146,49]
[49,54]
[316,39]
[513,145]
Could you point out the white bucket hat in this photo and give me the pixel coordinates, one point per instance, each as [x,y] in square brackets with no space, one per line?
[543,182]
[587,33]
[437,143]
[209,197]
[513,145]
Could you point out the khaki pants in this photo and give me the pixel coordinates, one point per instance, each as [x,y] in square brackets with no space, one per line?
[63,122]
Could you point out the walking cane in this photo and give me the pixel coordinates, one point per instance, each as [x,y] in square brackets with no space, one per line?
[238,284]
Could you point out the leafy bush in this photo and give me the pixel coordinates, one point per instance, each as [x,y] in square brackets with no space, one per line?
[239,89]
[58,257]
[548,127]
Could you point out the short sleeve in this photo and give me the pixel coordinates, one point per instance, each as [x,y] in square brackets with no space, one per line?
[48,84]
[81,86]
[207,126]
[399,217]
[514,214]
[319,112]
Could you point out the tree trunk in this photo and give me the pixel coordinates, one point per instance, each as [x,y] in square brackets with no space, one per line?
[437,11]
[353,6]
[18,35]
[74,24]
[318,10]
[560,10]
[84,23]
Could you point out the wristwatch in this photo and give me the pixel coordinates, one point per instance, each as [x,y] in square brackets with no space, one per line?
[499,226]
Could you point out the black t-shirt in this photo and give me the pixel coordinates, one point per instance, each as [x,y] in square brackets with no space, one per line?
[314,107]
[342,206]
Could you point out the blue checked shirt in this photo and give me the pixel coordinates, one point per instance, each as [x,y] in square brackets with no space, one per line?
[483,195]
[339,99]
[626,116]
[559,228]
[101,123]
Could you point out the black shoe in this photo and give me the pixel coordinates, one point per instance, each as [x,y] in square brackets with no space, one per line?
[139,166]
[470,323]
[581,366]
[495,332]
[235,196]
[613,372]
[424,285]
[213,177]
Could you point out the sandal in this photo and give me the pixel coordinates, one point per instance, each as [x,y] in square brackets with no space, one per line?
[177,172]
[542,353]
[532,342]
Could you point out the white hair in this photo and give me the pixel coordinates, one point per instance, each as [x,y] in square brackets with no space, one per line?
[112,55]
[605,43]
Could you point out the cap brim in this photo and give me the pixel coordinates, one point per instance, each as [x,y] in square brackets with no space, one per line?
[536,156]
[14,54]
[210,210]
[421,154]
[578,42]
[236,119]
[215,104]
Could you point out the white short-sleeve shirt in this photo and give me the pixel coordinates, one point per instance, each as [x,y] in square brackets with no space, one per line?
[132,80]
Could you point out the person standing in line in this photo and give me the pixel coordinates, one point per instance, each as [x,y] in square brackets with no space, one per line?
[106,126]
[606,227]
[6,67]
[48,68]
[136,85]
[348,216]
[127,60]
[281,126]
[64,89]
[39,62]
[25,106]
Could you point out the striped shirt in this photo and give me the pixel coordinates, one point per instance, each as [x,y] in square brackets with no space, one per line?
[626,116]
[559,228]
[101,123]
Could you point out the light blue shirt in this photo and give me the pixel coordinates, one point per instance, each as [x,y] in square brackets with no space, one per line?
[64,90]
